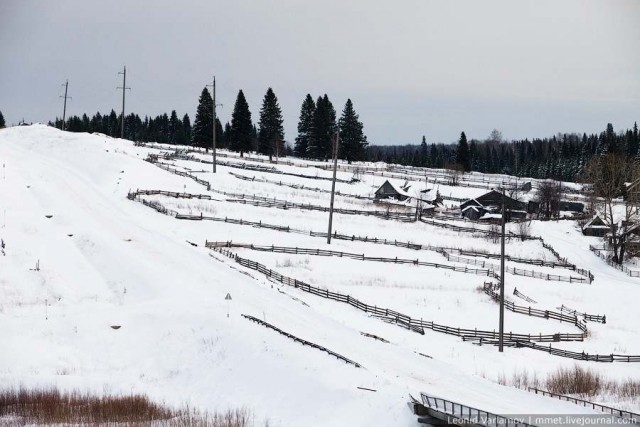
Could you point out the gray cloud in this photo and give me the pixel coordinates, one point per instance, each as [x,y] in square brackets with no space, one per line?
[414,67]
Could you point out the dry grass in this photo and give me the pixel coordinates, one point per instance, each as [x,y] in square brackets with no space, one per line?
[51,406]
[576,381]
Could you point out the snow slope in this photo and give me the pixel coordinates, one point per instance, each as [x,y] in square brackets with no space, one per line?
[105,261]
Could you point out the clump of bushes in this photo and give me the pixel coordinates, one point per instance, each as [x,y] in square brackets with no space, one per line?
[51,406]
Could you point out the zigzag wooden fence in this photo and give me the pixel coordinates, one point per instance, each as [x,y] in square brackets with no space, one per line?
[590,317]
[281,204]
[608,409]
[301,341]
[298,186]
[360,257]
[600,252]
[490,289]
[259,224]
[516,271]
[256,168]
[417,325]
[479,336]
[473,230]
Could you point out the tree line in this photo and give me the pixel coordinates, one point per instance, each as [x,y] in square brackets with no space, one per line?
[562,157]
[317,128]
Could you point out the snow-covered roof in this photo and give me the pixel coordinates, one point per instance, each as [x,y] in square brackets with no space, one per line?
[491,216]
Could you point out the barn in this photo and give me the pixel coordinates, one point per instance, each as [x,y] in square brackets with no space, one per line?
[595,227]
[388,191]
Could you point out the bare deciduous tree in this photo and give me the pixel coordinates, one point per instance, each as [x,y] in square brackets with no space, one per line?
[608,176]
[548,196]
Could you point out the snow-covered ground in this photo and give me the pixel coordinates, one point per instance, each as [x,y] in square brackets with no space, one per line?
[108,261]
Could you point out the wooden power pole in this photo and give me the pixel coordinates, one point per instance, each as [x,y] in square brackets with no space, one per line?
[333,183]
[64,110]
[213,90]
[124,88]
[501,336]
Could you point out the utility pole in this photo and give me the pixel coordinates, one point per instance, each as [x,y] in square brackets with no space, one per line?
[333,183]
[213,89]
[501,337]
[124,87]
[64,110]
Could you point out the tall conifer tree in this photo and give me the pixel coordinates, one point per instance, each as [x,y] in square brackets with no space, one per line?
[242,130]
[463,158]
[271,132]
[305,127]
[352,139]
[202,132]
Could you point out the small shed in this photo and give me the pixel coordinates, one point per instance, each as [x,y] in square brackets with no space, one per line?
[388,191]
[595,227]
[473,212]
[526,187]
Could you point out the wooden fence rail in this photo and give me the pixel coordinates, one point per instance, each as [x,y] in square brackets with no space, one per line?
[298,186]
[415,324]
[361,257]
[608,409]
[590,317]
[516,271]
[259,224]
[300,340]
[490,289]
[601,253]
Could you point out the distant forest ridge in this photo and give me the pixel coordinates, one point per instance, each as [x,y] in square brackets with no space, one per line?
[562,157]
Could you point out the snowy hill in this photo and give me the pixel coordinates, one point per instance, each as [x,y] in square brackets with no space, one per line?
[104,260]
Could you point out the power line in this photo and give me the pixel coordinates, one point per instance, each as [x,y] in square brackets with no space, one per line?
[64,110]
[124,87]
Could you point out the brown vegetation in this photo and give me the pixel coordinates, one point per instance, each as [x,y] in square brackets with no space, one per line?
[51,406]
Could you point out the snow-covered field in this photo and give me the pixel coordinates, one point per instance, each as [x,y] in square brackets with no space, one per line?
[105,260]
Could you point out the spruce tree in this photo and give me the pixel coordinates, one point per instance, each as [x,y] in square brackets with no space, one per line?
[271,132]
[352,139]
[202,131]
[305,127]
[2,124]
[242,131]
[324,129]
[463,158]
[424,152]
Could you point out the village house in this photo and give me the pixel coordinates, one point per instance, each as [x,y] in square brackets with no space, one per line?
[595,227]
[487,206]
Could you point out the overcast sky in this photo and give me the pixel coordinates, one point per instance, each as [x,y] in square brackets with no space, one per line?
[411,67]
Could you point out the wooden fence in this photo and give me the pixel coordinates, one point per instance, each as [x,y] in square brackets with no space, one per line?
[517,343]
[406,321]
[601,253]
[256,168]
[474,230]
[259,224]
[519,294]
[608,409]
[360,257]
[300,340]
[490,290]
[590,317]
[298,186]
[516,271]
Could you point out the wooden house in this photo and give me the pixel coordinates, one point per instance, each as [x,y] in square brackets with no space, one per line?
[388,191]
[595,227]
[473,212]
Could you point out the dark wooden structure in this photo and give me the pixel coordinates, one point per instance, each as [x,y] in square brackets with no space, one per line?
[595,227]
[388,191]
